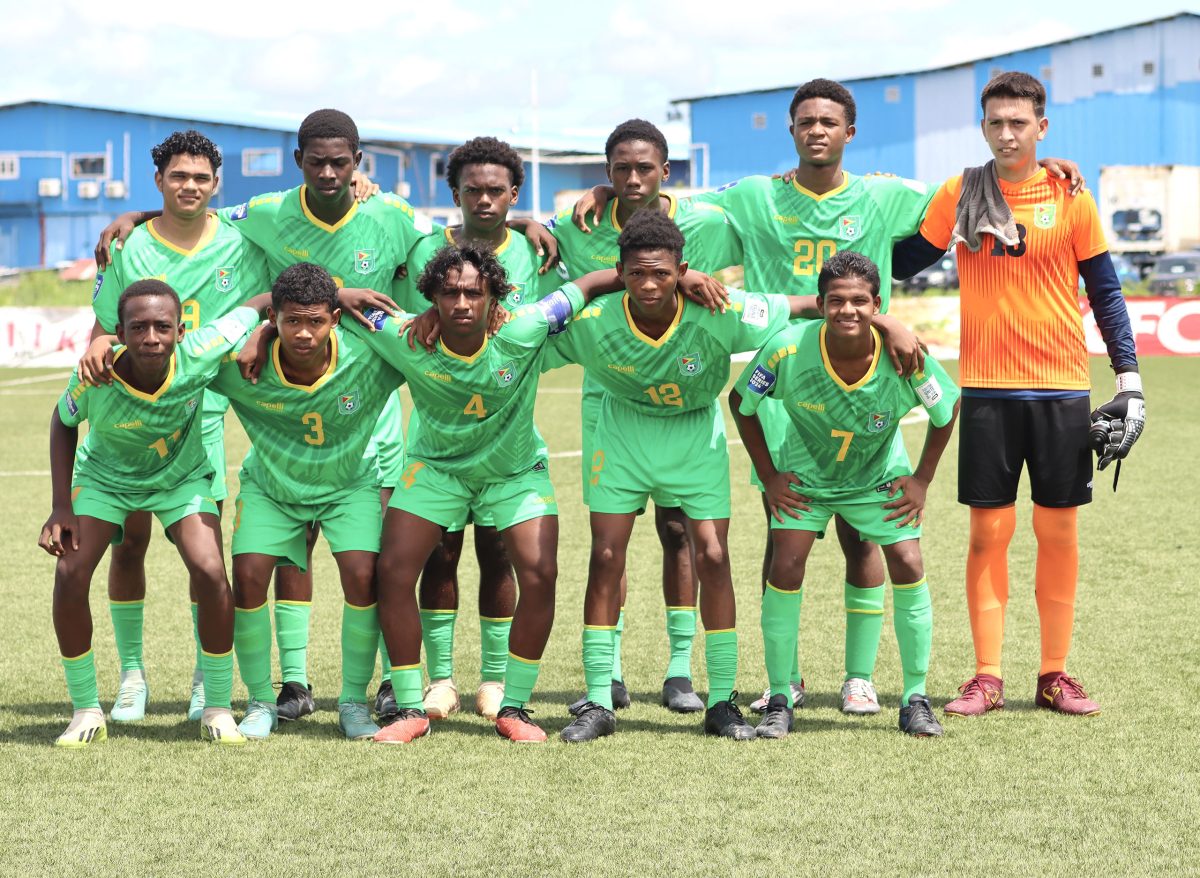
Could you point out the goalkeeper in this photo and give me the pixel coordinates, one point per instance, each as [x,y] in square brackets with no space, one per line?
[1025,379]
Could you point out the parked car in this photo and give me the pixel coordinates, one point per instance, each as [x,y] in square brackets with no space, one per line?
[943,274]
[1176,274]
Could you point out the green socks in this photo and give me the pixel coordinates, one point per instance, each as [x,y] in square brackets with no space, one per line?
[218,678]
[291,634]
[681,631]
[252,643]
[196,635]
[360,640]
[385,663]
[519,680]
[721,656]
[864,625]
[598,646]
[81,680]
[616,663]
[406,684]
[437,633]
[780,627]
[912,615]
[127,620]
[494,661]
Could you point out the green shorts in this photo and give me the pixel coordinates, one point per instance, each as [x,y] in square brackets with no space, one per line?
[450,500]
[678,461]
[775,423]
[169,506]
[864,512]
[475,515]
[263,526]
[387,442]
[212,437]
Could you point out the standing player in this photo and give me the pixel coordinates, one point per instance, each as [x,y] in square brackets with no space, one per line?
[485,177]
[1024,371]
[637,165]
[214,268]
[843,454]
[143,453]
[661,361]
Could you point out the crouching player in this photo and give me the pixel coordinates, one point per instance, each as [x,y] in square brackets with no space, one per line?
[844,455]
[143,453]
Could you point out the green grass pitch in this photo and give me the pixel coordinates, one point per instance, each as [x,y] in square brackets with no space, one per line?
[1019,792]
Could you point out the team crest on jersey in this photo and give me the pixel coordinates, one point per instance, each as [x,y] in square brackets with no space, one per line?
[690,364]
[1044,215]
[224,279]
[348,402]
[506,375]
[877,422]
[364,261]
[851,227]
[191,405]
[516,295]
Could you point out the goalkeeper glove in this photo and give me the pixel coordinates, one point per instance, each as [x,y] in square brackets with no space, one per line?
[1118,423]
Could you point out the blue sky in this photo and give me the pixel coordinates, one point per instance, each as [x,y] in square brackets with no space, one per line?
[464,65]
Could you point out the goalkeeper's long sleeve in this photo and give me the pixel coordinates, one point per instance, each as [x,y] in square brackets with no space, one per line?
[1108,305]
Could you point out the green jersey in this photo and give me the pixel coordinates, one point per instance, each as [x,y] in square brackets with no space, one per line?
[145,442]
[787,232]
[710,242]
[476,412]
[363,249]
[843,439]
[310,442]
[516,254]
[687,367]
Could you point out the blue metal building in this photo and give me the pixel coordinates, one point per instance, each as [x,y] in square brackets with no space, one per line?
[67,170]
[1129,96]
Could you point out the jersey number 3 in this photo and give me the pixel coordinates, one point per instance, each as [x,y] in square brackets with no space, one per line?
[316,428]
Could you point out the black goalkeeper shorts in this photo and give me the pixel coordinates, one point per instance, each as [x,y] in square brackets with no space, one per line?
[1050,436]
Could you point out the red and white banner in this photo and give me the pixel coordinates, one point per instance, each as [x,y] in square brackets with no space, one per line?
[1160,326]
[44,336]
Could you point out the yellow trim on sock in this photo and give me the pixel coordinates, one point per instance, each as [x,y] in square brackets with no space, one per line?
[495,618]
[865,612]
[195,603]
[708,632]
[524,661]
[404,667]
[367,607]
[677,609]
[783,590]
[82,655]
[216,654]
[622,608]
[261,606]
[438,612]
[127,603]
[920,582]
[295,603]
[587,627]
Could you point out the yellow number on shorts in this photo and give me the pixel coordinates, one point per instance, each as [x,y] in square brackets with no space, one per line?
[160,445]
[475,407]
[597,466]
[811,255]
[410,473]
[665,394]
[189,314]
[316,428]
[845,436]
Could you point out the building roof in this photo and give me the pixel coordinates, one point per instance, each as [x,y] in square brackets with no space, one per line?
[753,91]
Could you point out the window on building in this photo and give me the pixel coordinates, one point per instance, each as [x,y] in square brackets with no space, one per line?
[262,162]
[89,166]
[1047,73]
[367,165]
[1148,68]
[891,94]
[758,121]
[10,166]
[1097,70]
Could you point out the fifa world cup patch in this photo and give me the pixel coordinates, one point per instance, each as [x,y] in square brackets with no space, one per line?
[930,392]
[1044,215]
[506,375]
[851,227]
[376,317]
[96,286]
[756,312]
[761,380]
[348,402]
[877,422]
[364,261]
[690,364]
[224,279]
[71,407]
[239,212]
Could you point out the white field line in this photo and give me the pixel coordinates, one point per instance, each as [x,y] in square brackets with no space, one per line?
[17,382]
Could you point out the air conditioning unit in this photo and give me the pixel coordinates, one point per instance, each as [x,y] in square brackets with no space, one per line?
[50,187]
[403,189]
[88,189]
[115,189]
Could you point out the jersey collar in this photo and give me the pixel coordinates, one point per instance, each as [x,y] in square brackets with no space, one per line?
[641,336]
[138,394]
[324,226]
[466,359]
[328,373]
[837,378]
[808,193]
[211,225]
[508,237]
[672,205]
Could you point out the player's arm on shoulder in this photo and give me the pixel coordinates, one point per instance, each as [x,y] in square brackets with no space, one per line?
[60,533]
[113,236]
[705,290]
[757,317]
[543,241]
[926,246]
[95,366]
[591,206]
[211,344]
[255,218]
[903,348]
[1065,169]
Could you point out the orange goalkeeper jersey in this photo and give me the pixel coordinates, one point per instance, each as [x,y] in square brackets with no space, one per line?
[1021,326]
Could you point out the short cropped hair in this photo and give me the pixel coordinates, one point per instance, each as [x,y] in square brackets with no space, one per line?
[484,151]
[144,289]
[636,129]
[1014,84]
[650,230]
[453,257]
[828,89]
[304,284]
[327,124]
[848,264]
[190,142]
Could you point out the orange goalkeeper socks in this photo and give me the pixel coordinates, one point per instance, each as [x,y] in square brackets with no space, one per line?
[987,583]
[1057,577]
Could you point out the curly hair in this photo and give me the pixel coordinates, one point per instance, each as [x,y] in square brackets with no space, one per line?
[484,151]
[304,284]
[825,88]
[636,129]
[146,288]
[847,264]
[453,257]
[650,230]
[327,125]
[190,142]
